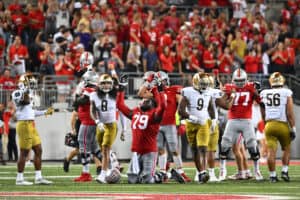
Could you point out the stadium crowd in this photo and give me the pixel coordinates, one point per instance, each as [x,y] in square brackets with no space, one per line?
[50,37]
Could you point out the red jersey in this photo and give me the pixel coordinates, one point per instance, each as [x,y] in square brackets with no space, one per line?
[171,106]
[143,124]
[8,83]
[136,29]
[84,109]
[242,104]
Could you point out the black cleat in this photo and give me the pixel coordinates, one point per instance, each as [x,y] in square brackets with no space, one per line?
[66,165]
[203,177]
[285,176]
[273,179]
[176,176]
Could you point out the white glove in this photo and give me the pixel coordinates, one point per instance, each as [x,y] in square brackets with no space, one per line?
[213,126]
[100,125]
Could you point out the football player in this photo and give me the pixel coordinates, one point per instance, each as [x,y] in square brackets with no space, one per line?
[280,123]
[145,125]
[103,111]
[196,106]
[167,132]
[27,133]
[239,121]
[87,130]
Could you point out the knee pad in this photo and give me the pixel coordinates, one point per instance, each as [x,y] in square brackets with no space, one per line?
[85,158]
[194,150]
[254,153]
[223,154]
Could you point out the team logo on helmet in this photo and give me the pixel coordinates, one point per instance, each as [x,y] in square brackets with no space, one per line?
[27,81]
[276,79]
[86,59]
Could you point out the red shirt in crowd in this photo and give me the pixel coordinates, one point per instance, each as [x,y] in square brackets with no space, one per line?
[8,83]
[37,19]
[136,29]
[208,56]
[252,63]
[167,62]
[19,51]
[226,62]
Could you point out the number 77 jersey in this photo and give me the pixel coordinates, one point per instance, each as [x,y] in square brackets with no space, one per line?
[243,100]
[275,101]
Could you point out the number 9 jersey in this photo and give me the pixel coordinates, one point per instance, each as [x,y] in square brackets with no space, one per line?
[243,100]
[275,101]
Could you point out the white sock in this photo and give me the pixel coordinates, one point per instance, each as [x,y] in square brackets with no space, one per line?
[256,165]
[285,168]
[211,171]
[202,172]
[38,174]
[103,173]
[273,173]
[223,164]
[162,162]
[177,161]
[20,176]
[86,168]
[248,171]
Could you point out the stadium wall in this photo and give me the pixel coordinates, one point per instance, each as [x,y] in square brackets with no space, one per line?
[52,130]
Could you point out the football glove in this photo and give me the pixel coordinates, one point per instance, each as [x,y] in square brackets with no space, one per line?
[49,111]
[100,125]
[213,126]
[293,133]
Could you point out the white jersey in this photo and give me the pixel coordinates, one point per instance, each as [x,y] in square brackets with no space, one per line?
[215,94]
[275,101]
[198,102]
[106,106]
[23,112]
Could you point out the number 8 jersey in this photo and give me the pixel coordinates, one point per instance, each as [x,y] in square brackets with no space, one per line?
[275,101]
[106,106]
[243,100]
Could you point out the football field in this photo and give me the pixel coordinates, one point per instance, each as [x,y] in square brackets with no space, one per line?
[65,188]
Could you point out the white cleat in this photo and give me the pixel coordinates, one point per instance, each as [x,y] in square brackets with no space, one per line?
[258,176]
[196,179]
[213,179]
[237,176]
[101,179]
[222,175]
[42,181]
[23,182]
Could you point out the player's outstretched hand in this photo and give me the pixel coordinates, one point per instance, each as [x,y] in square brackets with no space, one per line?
[49,111]
[293,133]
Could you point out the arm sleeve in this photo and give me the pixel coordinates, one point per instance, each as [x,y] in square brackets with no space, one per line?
[160,101]
[121,105]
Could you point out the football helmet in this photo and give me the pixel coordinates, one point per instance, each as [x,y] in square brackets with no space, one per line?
[239,77]
[114,176]
[204,81]
[86,59]
[90,78]
[147,75]
[195,81]
[276,79]
[105,83]
[163,78]
[27,81]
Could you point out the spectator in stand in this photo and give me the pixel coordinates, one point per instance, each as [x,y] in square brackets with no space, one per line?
[279,59]
[114,63]
[238,46]
[251,62]
[17,55]
[194,61]
[83,28]
[296,24]
[167,60]
[47,59]
[183,49]
[239,8]
[171,20]
[2,52]
[150,59]
[36,20]
[209,58]
[7,82]
[133,63]
[63,15]
[10,122]
[50,18]
[136,35]
[97,25]
[63,68]
[212,10]
[291,56]
[259,7]
[225,61]
[20,21]
[1,134]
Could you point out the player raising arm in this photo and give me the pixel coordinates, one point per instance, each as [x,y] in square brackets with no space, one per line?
[278,113]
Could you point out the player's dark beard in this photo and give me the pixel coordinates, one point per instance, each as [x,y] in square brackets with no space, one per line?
[146,105]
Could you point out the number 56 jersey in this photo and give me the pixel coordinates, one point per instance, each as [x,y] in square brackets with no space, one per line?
[275,101]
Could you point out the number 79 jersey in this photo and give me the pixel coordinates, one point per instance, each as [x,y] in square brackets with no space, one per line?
[275,101]
[198,102]
[243,100]
[106,106]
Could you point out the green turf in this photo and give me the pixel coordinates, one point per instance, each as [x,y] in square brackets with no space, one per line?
[64,183]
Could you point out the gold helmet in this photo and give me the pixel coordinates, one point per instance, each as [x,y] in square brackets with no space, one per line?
[27,81]
[196,80]
[211,81]
[276,79]
[105,83]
